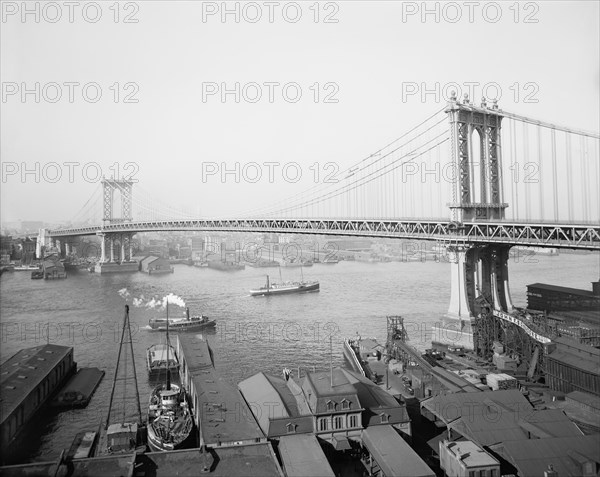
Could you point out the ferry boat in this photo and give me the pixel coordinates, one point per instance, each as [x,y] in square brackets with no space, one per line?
[189,323]
[285,287]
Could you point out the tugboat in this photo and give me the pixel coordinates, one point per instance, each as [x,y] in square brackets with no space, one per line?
[189,323]
[170,421]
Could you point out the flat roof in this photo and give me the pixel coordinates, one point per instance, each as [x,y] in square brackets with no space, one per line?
[223,413]
[24,371]
[393,454]
[254,460]
[471,454]
[557,288]
[302,456]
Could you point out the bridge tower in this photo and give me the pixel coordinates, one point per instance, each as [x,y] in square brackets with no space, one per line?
[477,196]
[109,240]
[125,187]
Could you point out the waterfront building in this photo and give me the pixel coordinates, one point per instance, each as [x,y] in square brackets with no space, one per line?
[335,406]
[27,380]
[152,264]
[544,297]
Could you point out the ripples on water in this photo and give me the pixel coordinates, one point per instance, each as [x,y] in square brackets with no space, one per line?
[253,333]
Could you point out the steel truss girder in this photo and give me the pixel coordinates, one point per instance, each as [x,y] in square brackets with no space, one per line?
[538,235]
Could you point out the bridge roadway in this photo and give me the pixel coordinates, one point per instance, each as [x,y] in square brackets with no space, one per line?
[574,236]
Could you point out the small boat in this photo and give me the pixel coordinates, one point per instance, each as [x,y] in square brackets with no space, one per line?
[82,445]
[285,287]
[160,357]
[330,260]
[170,420]
[38,274]
[189,323]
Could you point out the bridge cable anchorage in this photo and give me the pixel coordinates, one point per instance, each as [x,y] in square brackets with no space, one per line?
[264,210]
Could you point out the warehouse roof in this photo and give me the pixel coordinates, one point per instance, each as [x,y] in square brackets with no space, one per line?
[565,454]
[24,371]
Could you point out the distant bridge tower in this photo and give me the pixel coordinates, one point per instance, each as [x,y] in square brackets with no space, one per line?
[109,241]
[109,186]
[477,196]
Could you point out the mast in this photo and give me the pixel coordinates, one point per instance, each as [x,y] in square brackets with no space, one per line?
[331,360]
[127,327]
[168,346]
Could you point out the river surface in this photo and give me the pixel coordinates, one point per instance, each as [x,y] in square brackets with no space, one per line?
[253,333]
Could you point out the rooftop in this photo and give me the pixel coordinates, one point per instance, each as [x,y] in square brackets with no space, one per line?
[565,454]
[21,373]
[453,406]
[256,460]
[224,415]
[393,454]
[559,289]
[302,456]
[470,453]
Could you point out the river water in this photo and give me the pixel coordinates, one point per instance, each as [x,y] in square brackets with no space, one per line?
[253,333]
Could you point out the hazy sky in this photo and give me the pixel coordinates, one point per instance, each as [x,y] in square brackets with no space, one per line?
[360,79]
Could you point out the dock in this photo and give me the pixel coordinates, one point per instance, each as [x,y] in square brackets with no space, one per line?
[79,390]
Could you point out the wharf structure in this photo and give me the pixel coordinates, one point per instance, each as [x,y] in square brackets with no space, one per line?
[27,380]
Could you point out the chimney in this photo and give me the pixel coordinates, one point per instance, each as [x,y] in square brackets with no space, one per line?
[596,288]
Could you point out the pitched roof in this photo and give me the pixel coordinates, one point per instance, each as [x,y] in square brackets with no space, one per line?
[302,456]
[565,454]
[393,454]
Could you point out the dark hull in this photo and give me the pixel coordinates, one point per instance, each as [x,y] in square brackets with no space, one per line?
[183,326]
[285,291]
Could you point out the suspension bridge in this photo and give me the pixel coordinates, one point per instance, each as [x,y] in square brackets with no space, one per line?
[474,178]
